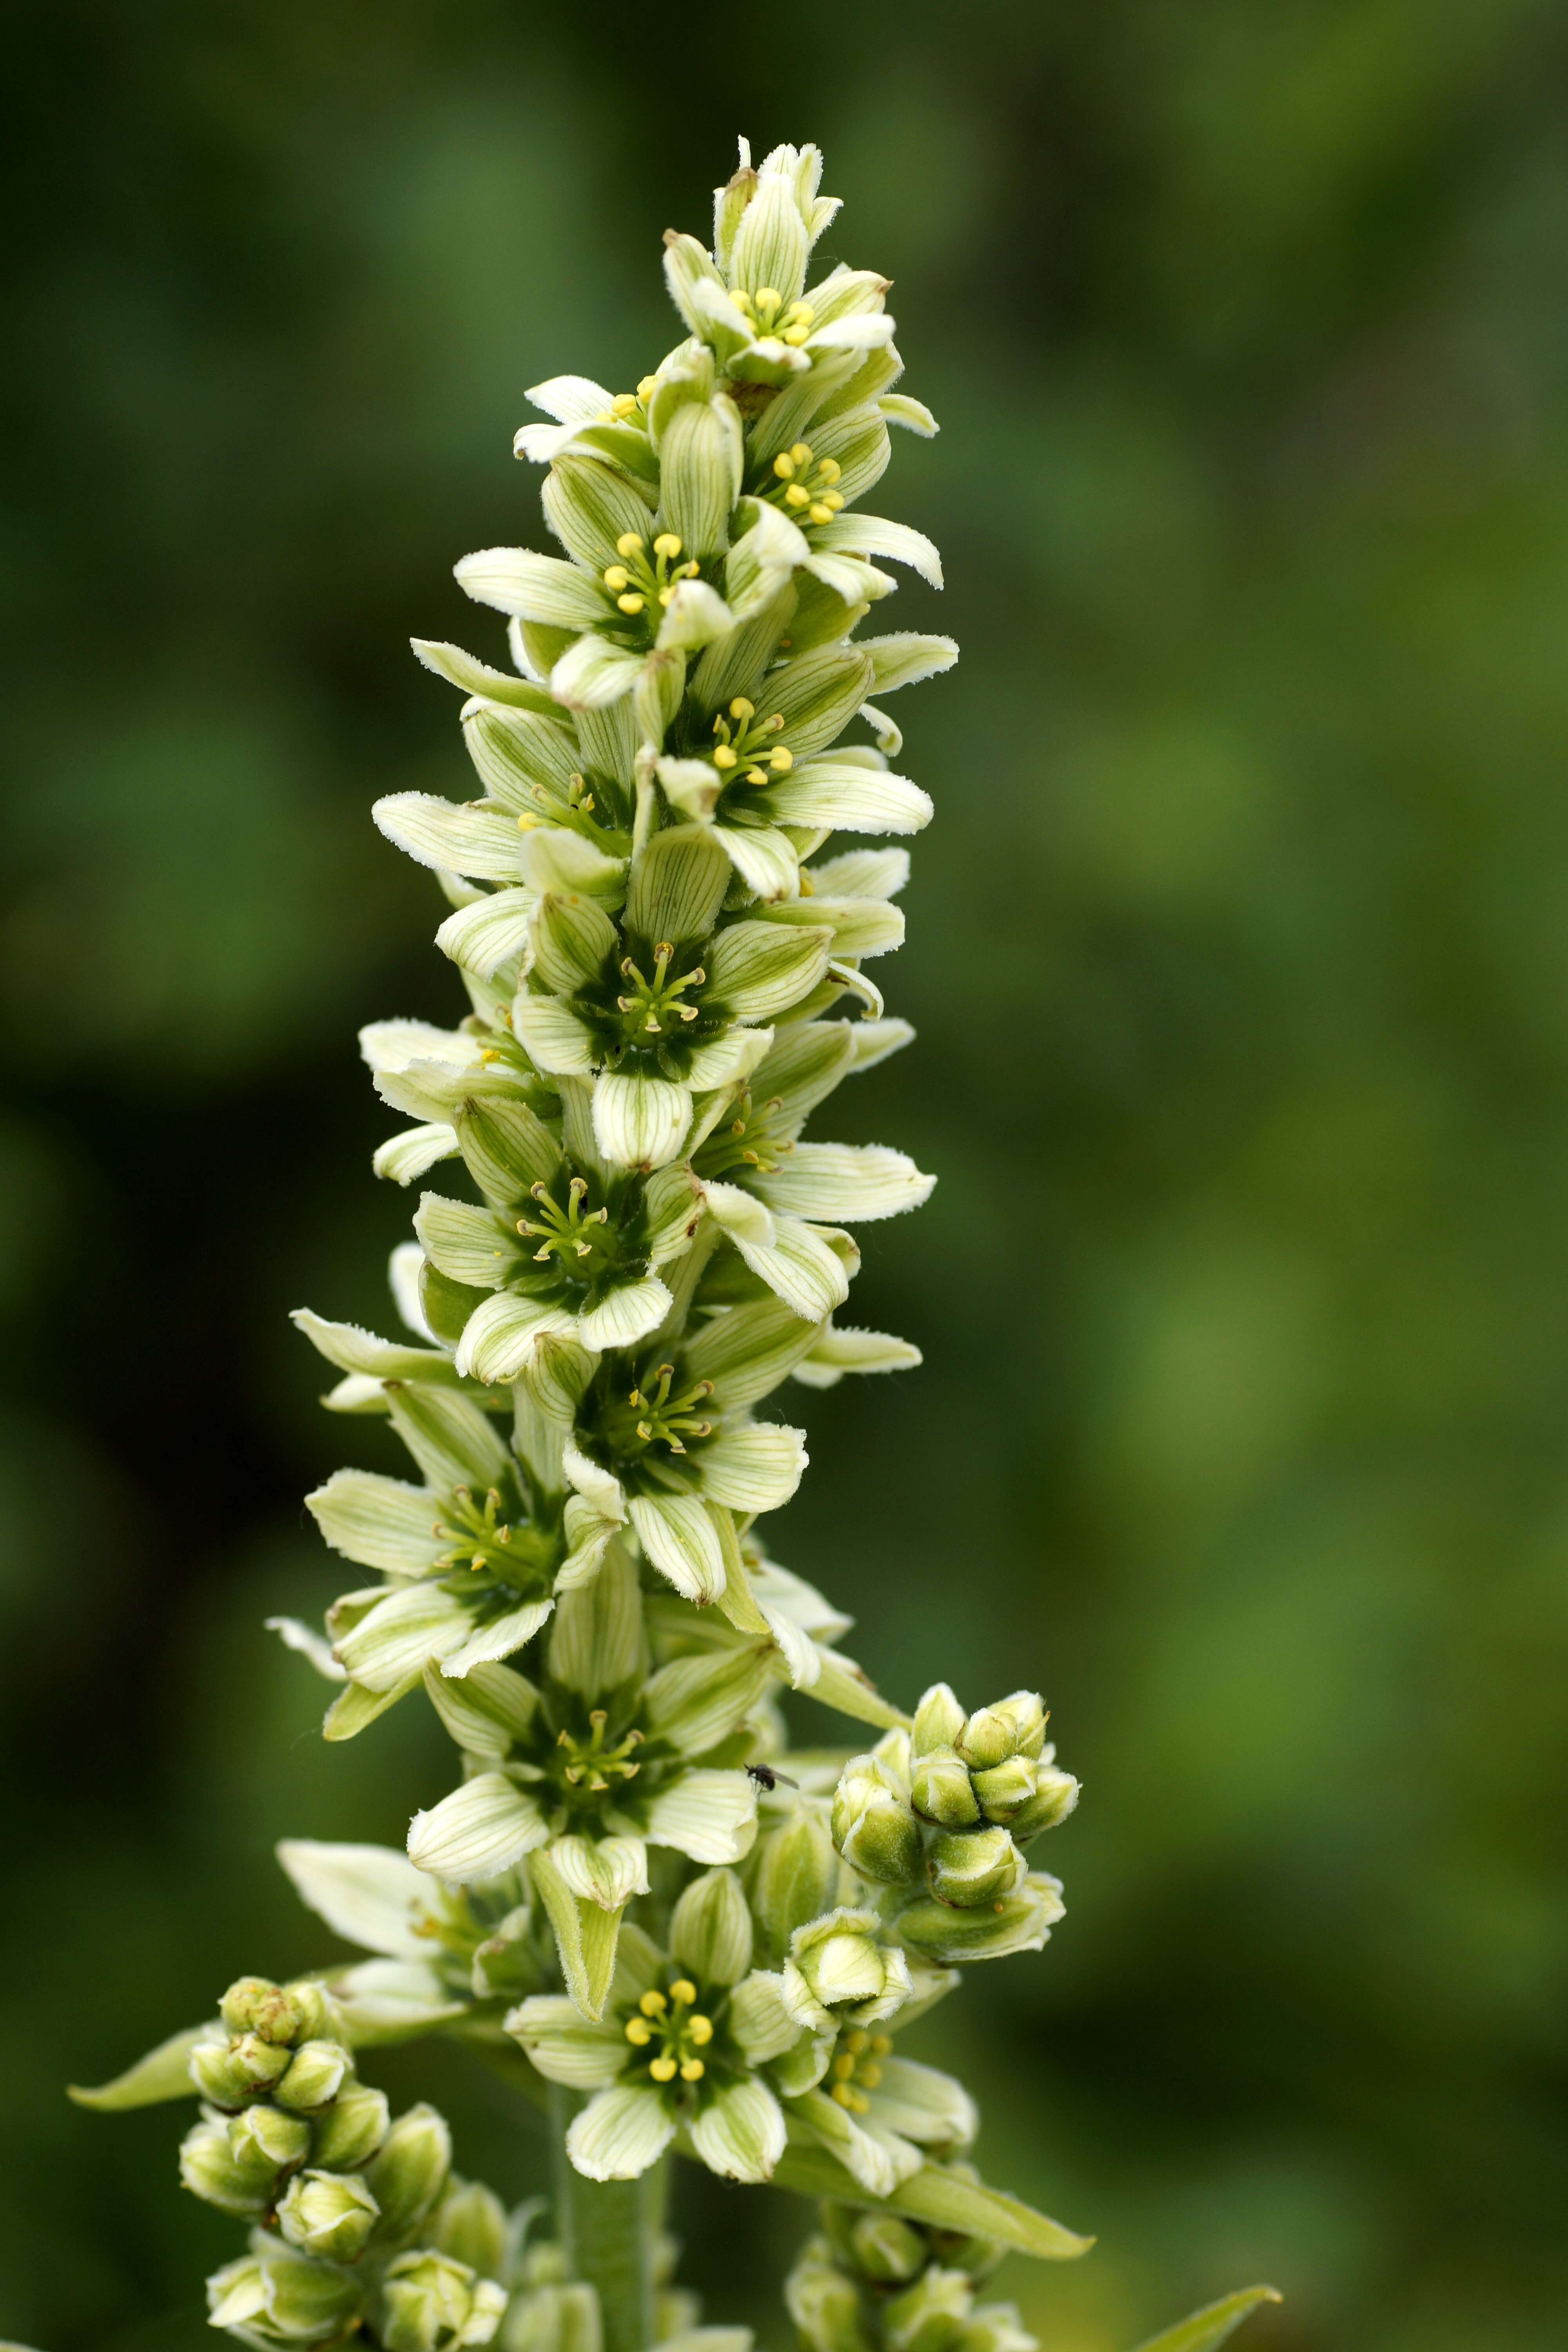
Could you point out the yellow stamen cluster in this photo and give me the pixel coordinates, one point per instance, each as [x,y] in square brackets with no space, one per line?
[562,1228]
[856,2069]
[635,582]
[741,740]
[679,2028]
[810,491]
[655,1005]
[591,1763]
[770,315]
[665,1419]
[626,403]
[474,1530]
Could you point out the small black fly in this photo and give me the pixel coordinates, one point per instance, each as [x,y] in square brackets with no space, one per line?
[767,1776]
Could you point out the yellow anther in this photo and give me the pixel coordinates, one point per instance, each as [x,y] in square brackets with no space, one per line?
[631,603]
[653,2004]
[638,2031]
[769,295]
[830,469]
[801,453]
[623,403]
[663,2070]
[796,335]
[844,2065]
[857,2040]
[801,312]
[869,2077]
[664,596]
[784,467]
[692,2070]
[527,824]
[617,577]
[646,385]
[742,709]
[667,543]
[781,759]
[881,2045]
[820,512]
[755,776]
[700,2029]
[629,543]
[723,756]
[843,2094]
[796,497]
[683,1989]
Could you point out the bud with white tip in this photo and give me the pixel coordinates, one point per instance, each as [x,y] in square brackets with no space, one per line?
[329,2214]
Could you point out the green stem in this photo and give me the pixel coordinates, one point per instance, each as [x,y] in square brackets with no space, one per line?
[609,2230]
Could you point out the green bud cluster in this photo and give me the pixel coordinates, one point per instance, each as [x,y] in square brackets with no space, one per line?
[872,2282]
[939,1817]
[621,1888]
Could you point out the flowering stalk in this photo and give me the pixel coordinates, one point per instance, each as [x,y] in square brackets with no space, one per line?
[631,1900]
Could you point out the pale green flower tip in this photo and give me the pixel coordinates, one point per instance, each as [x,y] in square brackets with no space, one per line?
[880,2246]
[710,1929]
[873,1826]
[1013,1727]
[953,1936]
[351,2130]
[972,1867]
[275,2297]
[410,2170]
[432,2302]
[284,2014]
[316,2074]
[328,2214]
[837,1964]
[939,1722]
[470,2225]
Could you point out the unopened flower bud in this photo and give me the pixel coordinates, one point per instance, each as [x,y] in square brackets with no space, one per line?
[826,2305]
[232,2072]
[1026,1797]
[268,2139]
[330,2214]
[210,2170]
[939,1722]
[554,2317]
[351,2129]
[974,1867]
[1013,1727]
[838,1968]
[929,2317]
[796,1874]
[470,2225]
[410,2172]
[316,2074]
[282,2298]
[942,1791]
[1020,1922]
[879,2245]
[432,2303]
[257,2005]
[996,2327]
[873,1827]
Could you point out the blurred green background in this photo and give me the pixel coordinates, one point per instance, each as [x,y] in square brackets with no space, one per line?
[1239,956]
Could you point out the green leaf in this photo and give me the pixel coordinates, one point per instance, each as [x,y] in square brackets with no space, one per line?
[943,2198]
[163,2074]
[1211,2326]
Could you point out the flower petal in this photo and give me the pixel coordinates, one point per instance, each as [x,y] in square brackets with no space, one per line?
[620,2134]
[679,1536]
[370,1895]
[605,1871]
[478,1831]
[565,2046]
[503,1333]
[710,1816]
[639,1122]
[625,1314]
[741,2134]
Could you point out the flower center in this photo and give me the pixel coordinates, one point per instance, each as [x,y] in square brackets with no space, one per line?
[748,1141]
[595,1764]
[806,486]
[745,752]
[654,1007]
[671,2030]
[855,2068]
[636,583]
[479,1537]
[659,1417]
[565,1232]
[771,315]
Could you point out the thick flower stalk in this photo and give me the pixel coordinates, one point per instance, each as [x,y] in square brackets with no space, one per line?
[625,1895]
